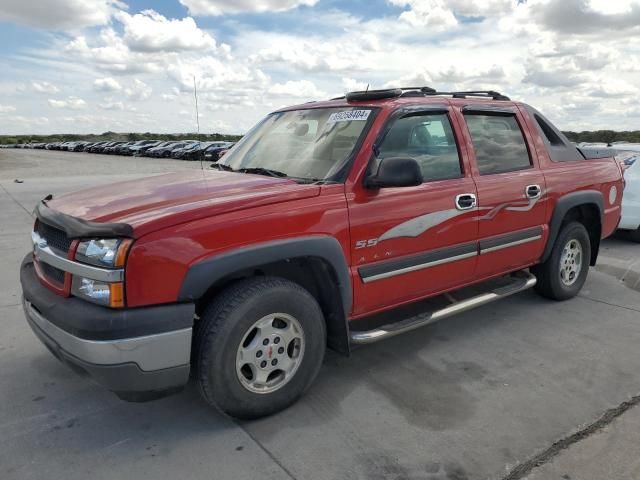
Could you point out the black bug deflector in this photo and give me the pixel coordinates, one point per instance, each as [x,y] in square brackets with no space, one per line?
[79,228]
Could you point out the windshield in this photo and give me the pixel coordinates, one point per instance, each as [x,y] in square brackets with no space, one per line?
[307,144]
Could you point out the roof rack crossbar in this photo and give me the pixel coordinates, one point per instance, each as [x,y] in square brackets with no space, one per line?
[417,91]
[424,91]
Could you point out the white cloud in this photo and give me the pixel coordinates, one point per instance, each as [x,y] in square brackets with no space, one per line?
[419,78]
[552,73]
[44,87]
[352,85]
[7,108]
[297,89]
[111,105]
[138,90]
[427,13]
[147,61]
[109,52]
[107,84]
[583,17]
[221,7]
[612,87]
[456,74]
[213,74]
[73,103]
[148,31]
[440,15]
[59,14]
[316,54]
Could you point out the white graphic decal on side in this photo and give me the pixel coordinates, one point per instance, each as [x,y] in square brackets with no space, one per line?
[419,225]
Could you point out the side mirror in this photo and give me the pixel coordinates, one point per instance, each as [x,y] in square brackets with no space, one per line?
[395,172]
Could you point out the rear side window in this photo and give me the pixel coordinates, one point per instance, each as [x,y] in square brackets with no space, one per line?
[559,148]
[552,137]
[429,139]
[498,143]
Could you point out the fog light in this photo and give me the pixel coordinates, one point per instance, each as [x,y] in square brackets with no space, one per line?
[102,293]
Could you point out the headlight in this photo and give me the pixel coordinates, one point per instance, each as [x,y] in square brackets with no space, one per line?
[102,293]
[103,252]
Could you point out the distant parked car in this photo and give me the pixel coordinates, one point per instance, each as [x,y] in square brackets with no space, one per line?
[214,151]
[631,198]
[630,220]
[99,147]
[152,152]
[120,148]
[111,149]
[193,149]
[78,147]
[91,146]
[166,151]
[138,150]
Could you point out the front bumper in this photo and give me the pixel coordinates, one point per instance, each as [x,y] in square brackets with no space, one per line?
[139,354]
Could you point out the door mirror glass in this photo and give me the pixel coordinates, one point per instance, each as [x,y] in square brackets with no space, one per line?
[395,172]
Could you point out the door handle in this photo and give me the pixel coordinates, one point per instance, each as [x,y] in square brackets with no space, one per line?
[465,201]
[533,191]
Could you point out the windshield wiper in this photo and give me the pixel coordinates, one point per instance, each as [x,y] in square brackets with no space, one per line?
[222,166]
[263,171]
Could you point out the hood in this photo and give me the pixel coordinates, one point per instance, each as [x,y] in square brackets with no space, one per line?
[151,203]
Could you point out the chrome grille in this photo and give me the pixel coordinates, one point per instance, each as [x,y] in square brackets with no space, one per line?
[55,237]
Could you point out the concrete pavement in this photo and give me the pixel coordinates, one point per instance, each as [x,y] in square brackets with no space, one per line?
[476,396]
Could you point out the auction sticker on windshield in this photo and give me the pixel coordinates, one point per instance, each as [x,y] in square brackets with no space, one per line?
[348,116]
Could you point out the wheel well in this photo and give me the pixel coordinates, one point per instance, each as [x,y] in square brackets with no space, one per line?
[313,274]
[589,215]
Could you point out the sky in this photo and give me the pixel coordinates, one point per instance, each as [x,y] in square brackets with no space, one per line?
[90,66]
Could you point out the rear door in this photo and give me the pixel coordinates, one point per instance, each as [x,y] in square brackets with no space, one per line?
[410,242]
[512,197]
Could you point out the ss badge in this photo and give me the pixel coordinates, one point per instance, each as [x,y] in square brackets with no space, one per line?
[372,242]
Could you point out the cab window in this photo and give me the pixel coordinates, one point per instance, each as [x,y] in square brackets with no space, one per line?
[429,139]
[498,143]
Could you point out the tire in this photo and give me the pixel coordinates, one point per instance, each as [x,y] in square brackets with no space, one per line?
[227,343]
[559,278]
[634,235]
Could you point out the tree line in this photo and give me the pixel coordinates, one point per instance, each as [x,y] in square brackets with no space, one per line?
[606,136]
[116,137]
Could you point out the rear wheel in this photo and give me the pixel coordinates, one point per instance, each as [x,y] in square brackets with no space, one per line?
[259,347]
[563,274]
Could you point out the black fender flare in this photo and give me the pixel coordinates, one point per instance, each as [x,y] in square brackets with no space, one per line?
[207,272]
[563,205]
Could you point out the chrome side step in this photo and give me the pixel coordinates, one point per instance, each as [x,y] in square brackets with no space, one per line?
[521,281]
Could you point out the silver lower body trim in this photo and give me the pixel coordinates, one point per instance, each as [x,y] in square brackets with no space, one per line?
[510,244]
[151,352]
[420,266]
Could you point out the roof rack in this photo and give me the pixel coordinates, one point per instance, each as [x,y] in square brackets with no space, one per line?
[418,92]
[427,91]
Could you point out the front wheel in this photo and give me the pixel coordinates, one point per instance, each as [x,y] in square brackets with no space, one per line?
[563,274]
[259,347]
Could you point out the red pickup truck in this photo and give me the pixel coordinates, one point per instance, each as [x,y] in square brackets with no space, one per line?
[322,219]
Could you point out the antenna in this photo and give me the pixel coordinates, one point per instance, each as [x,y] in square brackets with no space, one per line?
[195,95]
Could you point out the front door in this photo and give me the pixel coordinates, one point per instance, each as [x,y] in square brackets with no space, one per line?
[410,242]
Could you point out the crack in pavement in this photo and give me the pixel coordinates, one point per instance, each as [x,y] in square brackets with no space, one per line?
[525,468]
[15,200]
[265,450]
[631,309]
